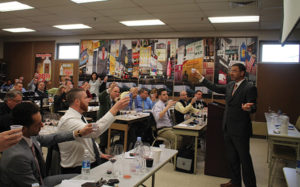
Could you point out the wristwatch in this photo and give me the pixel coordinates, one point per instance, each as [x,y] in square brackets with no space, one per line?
[78,132]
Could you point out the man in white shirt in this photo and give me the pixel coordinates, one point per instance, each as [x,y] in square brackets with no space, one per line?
[162,117]
[72,152]
[182,107]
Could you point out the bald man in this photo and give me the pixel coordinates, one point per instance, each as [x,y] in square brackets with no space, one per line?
[182,107]
[133,92]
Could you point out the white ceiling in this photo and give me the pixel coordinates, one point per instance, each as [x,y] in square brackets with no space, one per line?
[104,17]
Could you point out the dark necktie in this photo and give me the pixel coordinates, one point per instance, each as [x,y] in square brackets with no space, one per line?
[37,163]
[96,151]
[234,89]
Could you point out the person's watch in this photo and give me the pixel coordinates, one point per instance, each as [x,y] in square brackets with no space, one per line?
[78,132]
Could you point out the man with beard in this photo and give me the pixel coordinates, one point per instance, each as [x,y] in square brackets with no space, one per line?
[71,153]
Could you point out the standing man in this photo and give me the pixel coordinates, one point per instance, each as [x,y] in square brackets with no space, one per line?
[11,99]
[107,99]
[71,153]
[23,164]
[240,99]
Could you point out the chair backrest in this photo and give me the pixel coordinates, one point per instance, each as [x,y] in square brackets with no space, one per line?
[297,125]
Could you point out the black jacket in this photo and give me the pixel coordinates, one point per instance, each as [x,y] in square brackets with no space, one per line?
[5,117]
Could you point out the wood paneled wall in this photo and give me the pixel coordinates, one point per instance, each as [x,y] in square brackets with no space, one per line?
[20,57]
[278,86]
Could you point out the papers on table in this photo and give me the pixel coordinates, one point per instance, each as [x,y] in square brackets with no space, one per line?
[182,125]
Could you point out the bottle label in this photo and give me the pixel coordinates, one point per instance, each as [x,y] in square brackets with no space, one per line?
[86,164]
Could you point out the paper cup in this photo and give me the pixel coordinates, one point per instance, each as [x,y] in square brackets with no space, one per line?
[156,154]
[16,126]
[95,126]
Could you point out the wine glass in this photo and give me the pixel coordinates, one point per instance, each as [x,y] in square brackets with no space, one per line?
[116,152]
[145,155]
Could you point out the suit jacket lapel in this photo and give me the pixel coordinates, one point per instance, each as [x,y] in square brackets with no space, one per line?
[40,158]
[238,90]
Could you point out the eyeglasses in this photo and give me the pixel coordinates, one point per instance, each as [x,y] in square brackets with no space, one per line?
[17,101]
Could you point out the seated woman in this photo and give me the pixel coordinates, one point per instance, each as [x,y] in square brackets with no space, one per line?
[60,102]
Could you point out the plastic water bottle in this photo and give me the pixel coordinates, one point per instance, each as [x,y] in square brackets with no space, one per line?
[138,151]
[86,164]
[35,185]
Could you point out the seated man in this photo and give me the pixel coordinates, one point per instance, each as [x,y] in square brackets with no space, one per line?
[182,107]
[71,153]
[199,104]
[162,117]
[19,87]
[143,100]
[23,164]
[133,92]
[11,99]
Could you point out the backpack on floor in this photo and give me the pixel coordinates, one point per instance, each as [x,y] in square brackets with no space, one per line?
[185,160]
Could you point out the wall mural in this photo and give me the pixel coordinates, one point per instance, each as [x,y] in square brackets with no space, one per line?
[167,62]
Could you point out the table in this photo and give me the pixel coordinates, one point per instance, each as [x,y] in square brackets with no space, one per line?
[292,178]
[185,130]
[291,139]
[136,179]
[122,123]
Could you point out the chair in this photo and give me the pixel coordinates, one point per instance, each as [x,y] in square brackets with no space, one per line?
[53,161]
[157,137]
[297,125]
[280,152]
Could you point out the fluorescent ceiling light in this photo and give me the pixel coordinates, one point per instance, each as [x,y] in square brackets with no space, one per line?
[234,19]
[12,6]
[72,26]
[18,30]
[86,1]
[143,22]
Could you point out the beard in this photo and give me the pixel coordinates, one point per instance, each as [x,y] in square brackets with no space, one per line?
[83,107]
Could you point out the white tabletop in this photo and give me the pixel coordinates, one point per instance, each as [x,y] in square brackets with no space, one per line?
[136,179]
[292,178]
[292,131]
[130,117]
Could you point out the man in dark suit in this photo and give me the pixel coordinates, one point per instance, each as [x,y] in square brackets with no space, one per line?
[240,99]
[107,99]
[23,165]
[11,99]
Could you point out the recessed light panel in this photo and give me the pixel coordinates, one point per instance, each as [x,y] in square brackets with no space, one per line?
[72,26]
[148,22]
[234,19]
[18,30]
[86,1]
[13,6]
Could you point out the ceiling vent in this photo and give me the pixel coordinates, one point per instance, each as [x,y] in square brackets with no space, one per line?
[243,3]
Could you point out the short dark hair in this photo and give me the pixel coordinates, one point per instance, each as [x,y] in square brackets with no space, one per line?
[198,91]
[241,67]
[73,94]
[159,91]
[12,94]
[142,90]
[23,112]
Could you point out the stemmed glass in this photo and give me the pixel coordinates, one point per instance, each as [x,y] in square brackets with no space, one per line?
[116,152]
